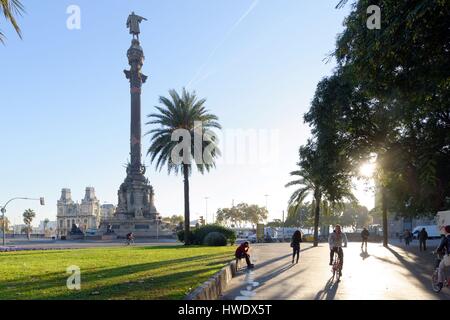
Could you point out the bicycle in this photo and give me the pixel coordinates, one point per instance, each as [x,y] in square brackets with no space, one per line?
[337,266]
[129,241]
[435,279]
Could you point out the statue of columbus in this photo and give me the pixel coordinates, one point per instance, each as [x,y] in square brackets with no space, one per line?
[133,24]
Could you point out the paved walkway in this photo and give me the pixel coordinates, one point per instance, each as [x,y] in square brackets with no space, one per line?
[393,273]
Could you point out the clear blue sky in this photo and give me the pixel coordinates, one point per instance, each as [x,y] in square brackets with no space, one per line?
[65,101]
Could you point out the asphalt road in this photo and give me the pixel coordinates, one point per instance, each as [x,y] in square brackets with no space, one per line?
[394,273]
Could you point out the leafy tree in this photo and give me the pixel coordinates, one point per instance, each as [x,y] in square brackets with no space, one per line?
[300,216]
[174,220]
[363,218]
[233,217]
[6,225]
[275,223]
[353,215]
[11,9]
[330,213]
[308,182]
[394,102]
[325,168]
[404,66]
[28,217]
[241,214]
[27,230]
[183,112]
[252,214]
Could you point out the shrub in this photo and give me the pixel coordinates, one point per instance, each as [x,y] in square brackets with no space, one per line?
[180,235]
[202,232]
[215,239]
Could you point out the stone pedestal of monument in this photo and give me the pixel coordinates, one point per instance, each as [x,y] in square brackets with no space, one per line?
[140,227]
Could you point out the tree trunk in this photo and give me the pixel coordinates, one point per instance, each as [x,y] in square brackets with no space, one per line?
[317,197]
[186,205]
[384,209]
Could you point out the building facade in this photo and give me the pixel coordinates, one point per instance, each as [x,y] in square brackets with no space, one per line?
[107,210]
[85,215]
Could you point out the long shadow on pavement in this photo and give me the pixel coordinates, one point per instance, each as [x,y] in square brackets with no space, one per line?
[262,279]
[329,291]
[265,263]
[421,269]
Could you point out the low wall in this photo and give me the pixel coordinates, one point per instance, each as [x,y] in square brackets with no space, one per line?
[215,286]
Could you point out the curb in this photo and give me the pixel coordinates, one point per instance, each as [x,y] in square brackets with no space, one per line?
[11,249]
[215,286]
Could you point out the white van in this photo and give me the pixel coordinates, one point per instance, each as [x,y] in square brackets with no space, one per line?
[433,231]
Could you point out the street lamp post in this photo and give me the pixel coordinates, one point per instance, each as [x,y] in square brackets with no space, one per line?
[158,221]
[3,210]
[206,212]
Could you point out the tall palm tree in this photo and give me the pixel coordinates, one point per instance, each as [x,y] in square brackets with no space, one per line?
[28,217]
[11,9]
[307,185]
[189,113]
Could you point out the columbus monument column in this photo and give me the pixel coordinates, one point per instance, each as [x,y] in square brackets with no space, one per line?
[135,211]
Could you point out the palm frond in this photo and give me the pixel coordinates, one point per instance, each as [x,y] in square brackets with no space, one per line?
[11,9]
[182,111]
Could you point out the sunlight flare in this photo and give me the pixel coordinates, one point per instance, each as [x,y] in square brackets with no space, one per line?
[367,170]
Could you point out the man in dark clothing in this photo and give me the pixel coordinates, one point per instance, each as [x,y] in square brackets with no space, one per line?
[423,237]
[364,237]
[242,253]
[408,237]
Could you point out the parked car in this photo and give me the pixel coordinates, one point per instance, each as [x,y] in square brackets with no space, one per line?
[252,238]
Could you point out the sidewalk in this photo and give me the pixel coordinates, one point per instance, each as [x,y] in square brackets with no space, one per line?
[381,274]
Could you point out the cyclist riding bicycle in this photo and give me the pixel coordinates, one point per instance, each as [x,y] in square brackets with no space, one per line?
[335,241]
[130,237]
[443,249]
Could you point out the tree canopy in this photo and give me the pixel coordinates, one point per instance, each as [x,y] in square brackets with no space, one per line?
[241,215]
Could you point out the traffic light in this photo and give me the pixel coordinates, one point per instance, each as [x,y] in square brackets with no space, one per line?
[41,199]
[201,221]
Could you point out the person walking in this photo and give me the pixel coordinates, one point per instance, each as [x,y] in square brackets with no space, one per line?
[423,237]
[295,244]
[364,236]
[407,236]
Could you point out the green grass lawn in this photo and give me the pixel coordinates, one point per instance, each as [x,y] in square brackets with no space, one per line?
[110,273]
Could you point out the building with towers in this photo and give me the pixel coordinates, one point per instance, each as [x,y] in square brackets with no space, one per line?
[85,215]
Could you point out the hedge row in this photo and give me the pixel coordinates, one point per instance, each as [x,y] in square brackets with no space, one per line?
[197,236]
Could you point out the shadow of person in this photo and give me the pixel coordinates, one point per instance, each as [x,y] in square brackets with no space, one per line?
[364,255]
[329,291]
